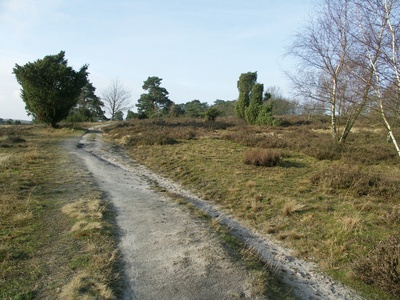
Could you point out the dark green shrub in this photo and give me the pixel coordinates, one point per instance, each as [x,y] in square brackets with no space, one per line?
[212,114]
[265,116]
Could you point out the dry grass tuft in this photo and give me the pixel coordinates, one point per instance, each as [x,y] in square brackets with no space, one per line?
[350,223]
[291,207]
[86,286]
[84,208]
[6,160]
[22,216]
[7,201]
[262,157]
[86,226]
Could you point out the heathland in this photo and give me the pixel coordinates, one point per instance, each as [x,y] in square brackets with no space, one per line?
[336,205]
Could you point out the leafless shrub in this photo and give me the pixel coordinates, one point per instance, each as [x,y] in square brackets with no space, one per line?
[262,157]
[381,267]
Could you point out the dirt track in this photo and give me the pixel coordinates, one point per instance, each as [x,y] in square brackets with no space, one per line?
[170,254]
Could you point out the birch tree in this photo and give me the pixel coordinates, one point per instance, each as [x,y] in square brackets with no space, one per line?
[322,50]
[349,55]
[381,34]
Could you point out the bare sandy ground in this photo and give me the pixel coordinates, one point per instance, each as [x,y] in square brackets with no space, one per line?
[170,254]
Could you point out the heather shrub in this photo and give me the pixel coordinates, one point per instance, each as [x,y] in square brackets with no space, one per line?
[262,157]
[271,141]
[388,187]
[316,144]
[155,138]
[11,140]
[381,267]
[15,139]
[336,178]
[327,151]
[369,154]
[253,138]
[158,139]
[357,182]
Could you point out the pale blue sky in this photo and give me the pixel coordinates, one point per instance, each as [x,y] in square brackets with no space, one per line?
[198,47]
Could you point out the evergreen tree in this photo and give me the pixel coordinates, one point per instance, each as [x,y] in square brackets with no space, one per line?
[49,88]
[252,111]
[211,115]
[119,116]
[155,102]
[195,108]
[89,106]
[244,85]
[227,108]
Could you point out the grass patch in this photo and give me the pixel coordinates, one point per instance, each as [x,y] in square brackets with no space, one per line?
[331,205]
[43,194]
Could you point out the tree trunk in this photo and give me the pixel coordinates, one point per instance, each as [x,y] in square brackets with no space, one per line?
[388,127]
[352,119]
[333,112]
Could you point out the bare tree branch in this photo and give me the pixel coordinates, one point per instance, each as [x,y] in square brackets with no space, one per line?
[116,98]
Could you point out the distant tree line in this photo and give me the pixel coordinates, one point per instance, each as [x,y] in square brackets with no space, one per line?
[53,92]
[10,122]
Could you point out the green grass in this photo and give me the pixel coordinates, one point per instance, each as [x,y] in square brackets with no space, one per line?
[332,223]
[39,256]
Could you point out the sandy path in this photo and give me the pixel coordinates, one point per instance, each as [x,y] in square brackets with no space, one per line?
[171,255]
[168,254]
